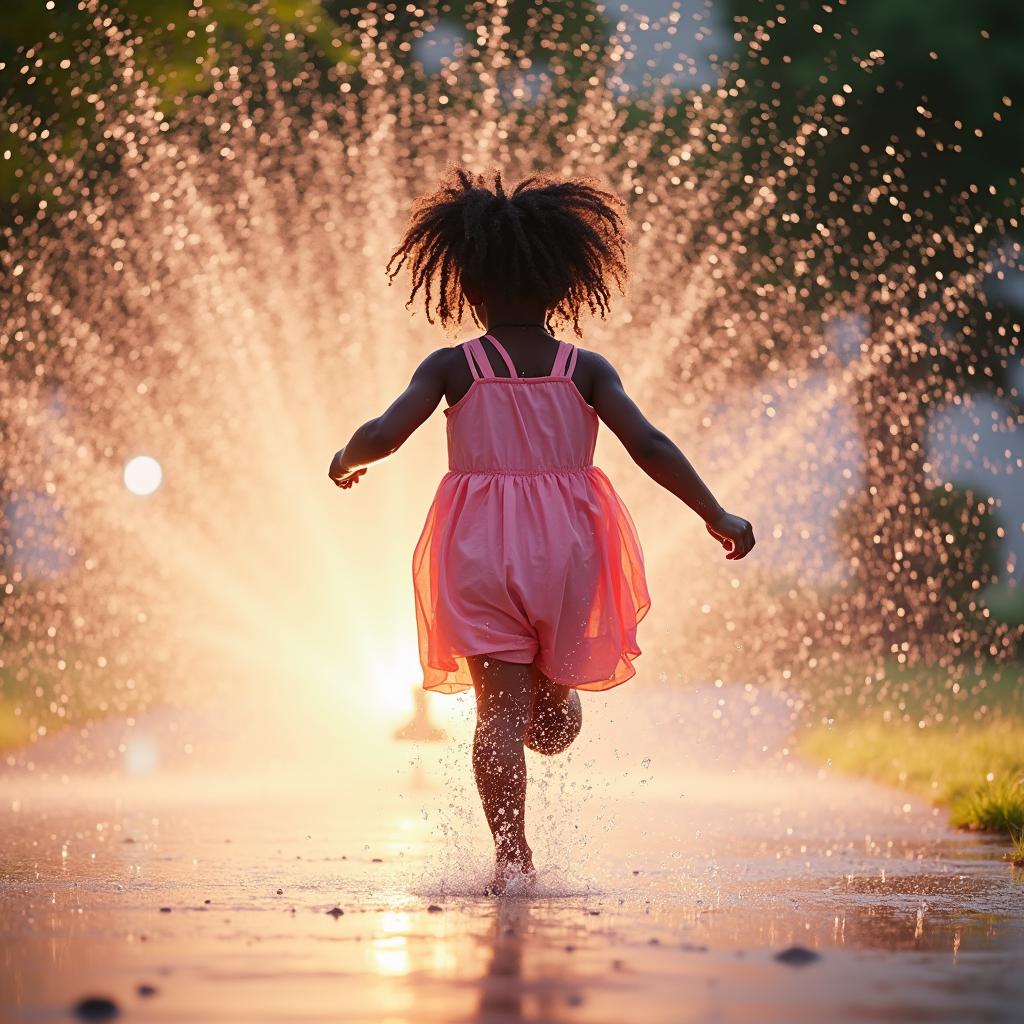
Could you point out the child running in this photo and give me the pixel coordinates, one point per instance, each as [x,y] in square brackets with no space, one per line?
[528,575]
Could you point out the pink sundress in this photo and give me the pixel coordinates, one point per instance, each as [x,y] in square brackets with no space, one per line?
[527,553]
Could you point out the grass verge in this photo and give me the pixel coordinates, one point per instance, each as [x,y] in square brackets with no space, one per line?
[1017,853]
[954,735]
[974,769]
[33,704]
[12,727]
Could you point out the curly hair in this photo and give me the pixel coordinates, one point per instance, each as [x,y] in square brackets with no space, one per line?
[559,241]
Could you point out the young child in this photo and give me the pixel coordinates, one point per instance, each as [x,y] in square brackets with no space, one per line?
[528,574]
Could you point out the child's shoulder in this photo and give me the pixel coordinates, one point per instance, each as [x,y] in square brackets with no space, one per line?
[593,362]
[437,367]
[445,355]
[449,357]
[453,357]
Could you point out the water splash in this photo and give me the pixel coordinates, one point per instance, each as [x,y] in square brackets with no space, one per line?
[205,287]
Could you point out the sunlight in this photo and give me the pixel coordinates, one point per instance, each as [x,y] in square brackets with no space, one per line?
[142,475]
[390,951]
[393,674]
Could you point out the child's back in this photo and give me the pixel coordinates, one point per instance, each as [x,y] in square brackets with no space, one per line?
[528,574]
[527,553]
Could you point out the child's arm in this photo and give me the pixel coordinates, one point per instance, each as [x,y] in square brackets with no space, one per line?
[662,461]
[388,432]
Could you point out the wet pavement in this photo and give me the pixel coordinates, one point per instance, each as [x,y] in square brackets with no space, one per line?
[674,872]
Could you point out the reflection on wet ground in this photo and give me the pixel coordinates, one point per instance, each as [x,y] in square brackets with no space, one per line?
[225,910]
[664,899]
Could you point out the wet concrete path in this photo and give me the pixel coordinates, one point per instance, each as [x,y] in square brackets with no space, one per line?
[670,882]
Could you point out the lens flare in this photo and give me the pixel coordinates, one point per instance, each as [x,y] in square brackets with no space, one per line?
[143,475]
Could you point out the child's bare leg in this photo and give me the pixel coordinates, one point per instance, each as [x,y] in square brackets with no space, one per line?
[504,701]
[556,718]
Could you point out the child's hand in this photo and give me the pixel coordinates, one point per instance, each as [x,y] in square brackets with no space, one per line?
[734,533]
[340,474]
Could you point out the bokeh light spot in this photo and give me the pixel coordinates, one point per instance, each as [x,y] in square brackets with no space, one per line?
[142,475]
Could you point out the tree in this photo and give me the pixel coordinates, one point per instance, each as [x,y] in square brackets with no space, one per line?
[919,167]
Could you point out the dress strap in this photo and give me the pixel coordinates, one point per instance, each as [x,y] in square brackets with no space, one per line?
[572,361]
[478,365]
[565,360]
[512,371]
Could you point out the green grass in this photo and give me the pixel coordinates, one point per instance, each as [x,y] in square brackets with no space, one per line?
[996,806]
[92,696]
[976,769]
[1017,853]
[954,735]
[13,729]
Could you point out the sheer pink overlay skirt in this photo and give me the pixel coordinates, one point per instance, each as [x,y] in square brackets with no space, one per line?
[541,567]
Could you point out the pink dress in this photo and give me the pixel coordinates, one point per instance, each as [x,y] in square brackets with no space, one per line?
[527,554]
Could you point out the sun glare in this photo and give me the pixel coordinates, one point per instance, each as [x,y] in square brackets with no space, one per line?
[393,676]
[142,475]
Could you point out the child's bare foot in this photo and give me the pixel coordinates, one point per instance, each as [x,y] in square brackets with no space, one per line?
[514,874]
[512,880]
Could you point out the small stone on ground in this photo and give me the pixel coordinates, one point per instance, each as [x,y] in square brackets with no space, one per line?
[96,1008]
[796,956]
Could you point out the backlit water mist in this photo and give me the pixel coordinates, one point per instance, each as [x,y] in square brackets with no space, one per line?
[198,315]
